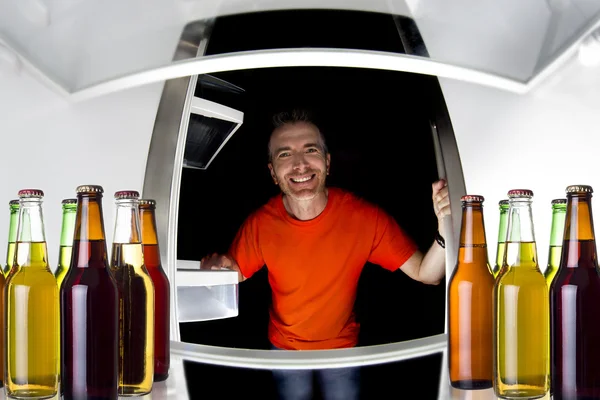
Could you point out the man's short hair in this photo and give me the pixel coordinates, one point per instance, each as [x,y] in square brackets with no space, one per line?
[293,116]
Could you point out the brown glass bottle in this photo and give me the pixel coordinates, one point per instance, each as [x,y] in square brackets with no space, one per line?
[470,314]
[89,308]
[574,302]
[136,299]
[161,289]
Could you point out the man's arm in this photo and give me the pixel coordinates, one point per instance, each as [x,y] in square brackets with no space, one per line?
[221,261]
[431,267]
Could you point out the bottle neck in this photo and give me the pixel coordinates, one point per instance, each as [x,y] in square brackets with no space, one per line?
[31,221]
[68,225]
[127,225]
[148,226]
[14,223]
[503,225]
[472,232]
[89,219]
[579,245]
[558,224]
[520,221]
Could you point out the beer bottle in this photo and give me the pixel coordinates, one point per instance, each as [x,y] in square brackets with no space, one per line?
[559,209]
[69,209]
[136,299]
[574,301]
[521,310]
[470,304]
[503,224]
[13,206]
[89,307]
[161,289]
[31,293]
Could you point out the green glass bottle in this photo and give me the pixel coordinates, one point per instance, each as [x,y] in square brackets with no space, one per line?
[521,310]
[503,224]
[13,205]
[69,211]
[559,211]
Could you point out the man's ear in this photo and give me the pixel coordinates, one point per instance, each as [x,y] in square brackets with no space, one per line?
[272,173]
[328,162]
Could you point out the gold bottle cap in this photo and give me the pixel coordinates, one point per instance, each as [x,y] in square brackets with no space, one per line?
[90,189]
[127,194]
[69,201]
[148,202]
[520,193]
[559,201]
[472,198]
[31,193]
[579,189]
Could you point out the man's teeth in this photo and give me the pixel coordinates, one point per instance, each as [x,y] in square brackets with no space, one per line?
[298,180]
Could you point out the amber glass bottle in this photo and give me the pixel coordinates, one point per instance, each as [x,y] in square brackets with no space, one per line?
[161,289]
[89,308]
[470,304]
[521,310]
[574,302]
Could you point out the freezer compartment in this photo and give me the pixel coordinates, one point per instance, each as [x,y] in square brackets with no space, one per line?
[205,295]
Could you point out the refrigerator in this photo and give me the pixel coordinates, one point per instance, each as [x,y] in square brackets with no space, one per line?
[169,98]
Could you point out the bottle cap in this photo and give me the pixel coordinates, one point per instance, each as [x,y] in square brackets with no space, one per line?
[127,194]
[579,189]
[472,198]
[520,193]
[147,202]
[90,189]
[503,202]
[559,201]
[13,202]
[31,193]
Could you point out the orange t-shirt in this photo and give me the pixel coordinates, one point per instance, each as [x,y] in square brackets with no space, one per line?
[314,266]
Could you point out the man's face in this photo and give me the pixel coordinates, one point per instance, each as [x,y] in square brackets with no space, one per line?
[298,163]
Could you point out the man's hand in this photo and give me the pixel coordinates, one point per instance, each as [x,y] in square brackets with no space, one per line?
[441,202]
[221,262]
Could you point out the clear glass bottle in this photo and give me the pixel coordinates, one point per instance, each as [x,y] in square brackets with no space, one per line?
[521,310]
[32,309]
[69,210]
[136,299]
[13,206]
[470,293]
[162,291]
[574,302]
[502,226]
[89,308]
[557,227]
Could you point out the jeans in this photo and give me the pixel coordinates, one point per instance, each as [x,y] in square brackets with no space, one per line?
[334,383]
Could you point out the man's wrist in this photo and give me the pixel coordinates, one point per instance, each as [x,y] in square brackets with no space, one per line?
[440,240]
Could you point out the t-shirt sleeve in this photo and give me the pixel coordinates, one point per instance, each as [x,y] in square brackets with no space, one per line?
[391,244]
[245,248]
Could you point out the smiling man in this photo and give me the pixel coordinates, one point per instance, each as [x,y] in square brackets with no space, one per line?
[315,241]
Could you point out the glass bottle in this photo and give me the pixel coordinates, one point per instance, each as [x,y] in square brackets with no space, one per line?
[69,209]
[502,226]
[31,293]
[89,307]
[559,210]
[161,289]
[13,206]
[521,310]
[470,293]
[136,299]
[574,302]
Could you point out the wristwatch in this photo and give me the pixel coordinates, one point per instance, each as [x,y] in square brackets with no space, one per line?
[440,239]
